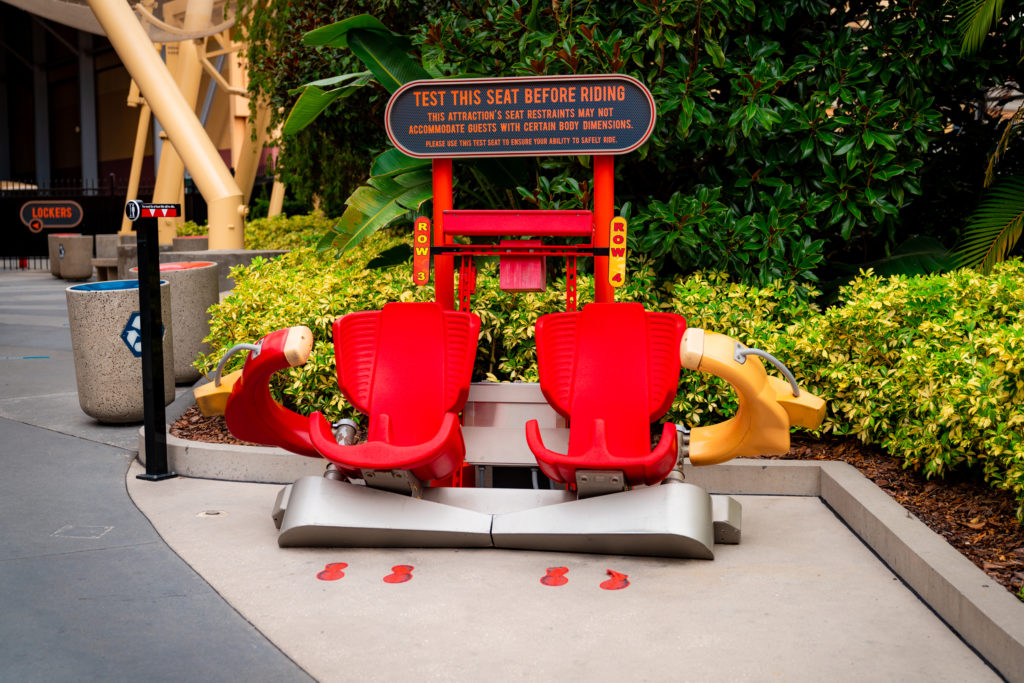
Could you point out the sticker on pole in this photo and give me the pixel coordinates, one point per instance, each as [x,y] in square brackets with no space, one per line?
[617,252]
[551,115]
[136,209]
[421,251]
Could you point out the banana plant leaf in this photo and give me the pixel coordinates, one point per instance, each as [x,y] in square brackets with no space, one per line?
[385,55]
[336,34]
[398,184]
[917,256]
[314,100]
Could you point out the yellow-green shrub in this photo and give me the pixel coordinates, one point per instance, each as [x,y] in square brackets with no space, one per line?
[931,368]
[191,229]
[278,232]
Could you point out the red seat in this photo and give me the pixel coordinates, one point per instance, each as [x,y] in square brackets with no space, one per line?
[611,370]
[251,412]
[408,368]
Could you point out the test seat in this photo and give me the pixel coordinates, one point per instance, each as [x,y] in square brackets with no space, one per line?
[611,369]
[408,367]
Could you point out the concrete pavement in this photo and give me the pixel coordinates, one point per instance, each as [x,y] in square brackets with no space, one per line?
[88,589]
[183,580]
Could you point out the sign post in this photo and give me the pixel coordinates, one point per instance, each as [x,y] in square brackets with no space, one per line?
[144,218]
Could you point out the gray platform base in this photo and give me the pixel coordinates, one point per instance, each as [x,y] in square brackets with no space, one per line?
[327,513]
[671,520]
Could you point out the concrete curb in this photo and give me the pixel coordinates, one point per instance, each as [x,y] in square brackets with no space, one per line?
[228,462]
[983,613]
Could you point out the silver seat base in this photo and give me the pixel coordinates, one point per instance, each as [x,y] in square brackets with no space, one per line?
[671,520]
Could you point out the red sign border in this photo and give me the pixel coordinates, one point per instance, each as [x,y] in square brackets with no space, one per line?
[81,213]
[498,81]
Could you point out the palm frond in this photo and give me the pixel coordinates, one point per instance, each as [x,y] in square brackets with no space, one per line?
[995,227]
[977,17]
[1011,131]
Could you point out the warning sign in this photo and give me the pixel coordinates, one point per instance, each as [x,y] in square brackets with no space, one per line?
[554,115]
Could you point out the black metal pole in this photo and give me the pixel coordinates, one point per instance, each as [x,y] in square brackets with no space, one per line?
[151,320]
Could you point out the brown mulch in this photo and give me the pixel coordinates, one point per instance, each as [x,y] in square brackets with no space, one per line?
[194,426]
[975,519]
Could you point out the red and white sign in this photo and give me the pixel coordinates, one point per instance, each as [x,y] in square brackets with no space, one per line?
[136,209]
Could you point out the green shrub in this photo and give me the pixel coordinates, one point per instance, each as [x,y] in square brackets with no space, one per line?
[285,232]
[191,229]
[792,139]
[279,232]
[930,368]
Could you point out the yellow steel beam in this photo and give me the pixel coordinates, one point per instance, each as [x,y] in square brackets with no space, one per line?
[212,177]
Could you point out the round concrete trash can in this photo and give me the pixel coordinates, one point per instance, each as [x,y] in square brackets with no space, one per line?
[193,290]
[190,243]
[106,342]
[75,255]
[52,241]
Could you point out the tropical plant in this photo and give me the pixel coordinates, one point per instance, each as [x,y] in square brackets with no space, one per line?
[819,129]
[995,227]
[398,183]
[977,17]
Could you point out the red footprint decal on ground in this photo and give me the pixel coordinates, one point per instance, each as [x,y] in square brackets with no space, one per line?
[555,576]
[332,572]
[401,574]
[617,582]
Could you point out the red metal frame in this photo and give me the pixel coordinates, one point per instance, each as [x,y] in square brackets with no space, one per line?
[604,211]
[533,223]
[449,222]
[467,281]
[570,283]
[444,266]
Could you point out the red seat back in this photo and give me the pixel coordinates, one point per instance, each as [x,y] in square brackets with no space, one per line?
[613,362]
[410,361]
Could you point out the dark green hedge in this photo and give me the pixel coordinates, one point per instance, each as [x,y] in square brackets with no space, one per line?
[795,139]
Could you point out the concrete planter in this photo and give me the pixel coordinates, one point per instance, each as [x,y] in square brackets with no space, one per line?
[75,255]
[52,242]
[106,245]
[190,243]
[128,257]
[105,340]
[193,291]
